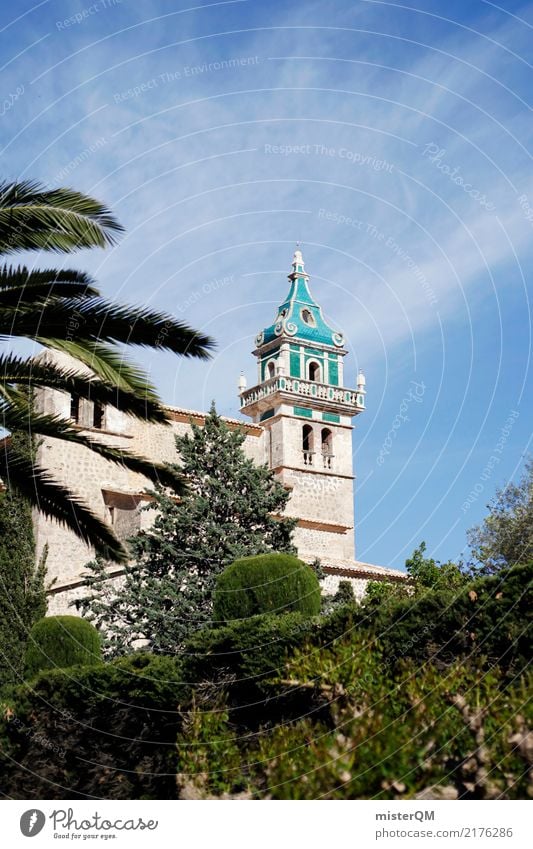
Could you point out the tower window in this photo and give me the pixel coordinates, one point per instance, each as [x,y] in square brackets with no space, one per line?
[308,317]
[313,371]
[271,369]
[326,439]
[307,444]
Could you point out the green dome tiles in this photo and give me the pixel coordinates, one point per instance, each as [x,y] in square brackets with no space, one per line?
[299,316]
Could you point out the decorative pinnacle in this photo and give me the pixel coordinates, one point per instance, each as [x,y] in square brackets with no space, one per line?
[298,258]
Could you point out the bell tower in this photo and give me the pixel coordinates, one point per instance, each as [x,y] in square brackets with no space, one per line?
[306,410]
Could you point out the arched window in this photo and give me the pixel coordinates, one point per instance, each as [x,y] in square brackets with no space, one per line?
[307,444]
[313,371]
[308,317]
[271,369]
[326,439]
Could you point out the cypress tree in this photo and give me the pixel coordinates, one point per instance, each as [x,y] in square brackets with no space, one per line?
[22,593]
[232,509]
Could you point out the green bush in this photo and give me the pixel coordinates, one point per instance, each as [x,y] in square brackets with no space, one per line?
[126,711]
[488,618]
[244,655]
[370,732]
[61,641]
[250,650]
[266,583]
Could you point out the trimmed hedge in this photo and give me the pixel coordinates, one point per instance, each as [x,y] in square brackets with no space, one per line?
[266,583]
[61,641]
[244,656]
[106,731]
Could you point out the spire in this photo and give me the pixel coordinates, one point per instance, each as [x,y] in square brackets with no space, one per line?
[298,266]
[299,316]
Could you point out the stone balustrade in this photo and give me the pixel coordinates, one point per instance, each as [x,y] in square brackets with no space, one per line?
[302,389]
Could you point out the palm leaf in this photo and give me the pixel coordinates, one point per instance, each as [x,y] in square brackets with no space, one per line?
[17,414]
[57,502]
[100,320]
[33,373]
[34,218]
[108,363]
[19,285]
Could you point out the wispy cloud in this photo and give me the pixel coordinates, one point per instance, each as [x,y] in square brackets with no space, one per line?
[230,132]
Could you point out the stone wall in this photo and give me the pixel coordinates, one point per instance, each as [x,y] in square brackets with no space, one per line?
[330,585]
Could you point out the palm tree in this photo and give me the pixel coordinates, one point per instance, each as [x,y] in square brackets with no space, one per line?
[40,305]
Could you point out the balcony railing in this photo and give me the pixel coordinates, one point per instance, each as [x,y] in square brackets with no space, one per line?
[327,459]
[309,458]
[302,389]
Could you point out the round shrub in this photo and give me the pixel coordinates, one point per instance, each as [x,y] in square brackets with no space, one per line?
[61,641]
[266,583]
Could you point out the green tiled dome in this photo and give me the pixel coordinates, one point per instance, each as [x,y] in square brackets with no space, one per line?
[299,316]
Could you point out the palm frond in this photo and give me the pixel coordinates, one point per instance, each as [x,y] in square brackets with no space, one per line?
[19,285]
[102,321]
[33,373]
[16,414]
[57,502]
[108,363]
[34,218]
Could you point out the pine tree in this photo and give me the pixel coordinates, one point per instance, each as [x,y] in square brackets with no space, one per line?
[232,508]
[22,593]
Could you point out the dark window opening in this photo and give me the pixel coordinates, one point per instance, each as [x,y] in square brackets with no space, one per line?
[313,371]
[98,415]
[326,440]
[307,444]
[75,408]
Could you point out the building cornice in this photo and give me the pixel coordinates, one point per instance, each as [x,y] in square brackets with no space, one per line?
[305,420]
[178,414]
[328,527]
[366,571]
[313,471]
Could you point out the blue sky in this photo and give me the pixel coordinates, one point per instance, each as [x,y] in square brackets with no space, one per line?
[392,140]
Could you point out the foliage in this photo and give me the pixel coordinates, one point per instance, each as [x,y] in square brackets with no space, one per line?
[343,596]
[505,537]
[209,761]
[423,574]
[345,593]
[55,642]
[247,652]
[22,594]
[417,732]
[266,583]
[244,655]
[126,711]
[487,618]
[232,508]
[318,569]
[426,573]
[63,310]
[278,706]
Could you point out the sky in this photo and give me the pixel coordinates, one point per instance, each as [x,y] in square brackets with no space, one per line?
[393,140]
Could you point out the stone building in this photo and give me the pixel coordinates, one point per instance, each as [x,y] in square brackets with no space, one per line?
[301,414]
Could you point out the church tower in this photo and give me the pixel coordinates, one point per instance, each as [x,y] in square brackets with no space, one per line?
[306,411]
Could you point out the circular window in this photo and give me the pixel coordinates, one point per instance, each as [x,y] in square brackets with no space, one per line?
[308,317]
